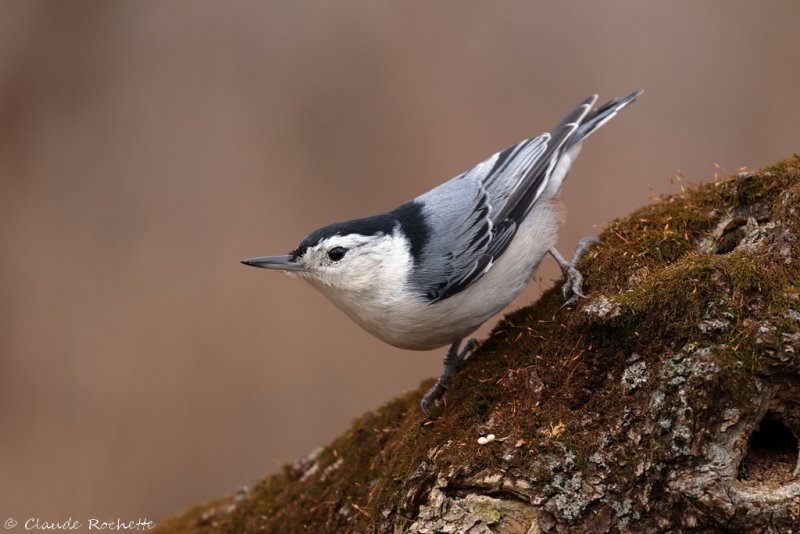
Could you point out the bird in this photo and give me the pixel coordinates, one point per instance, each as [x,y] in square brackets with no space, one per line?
[428,273]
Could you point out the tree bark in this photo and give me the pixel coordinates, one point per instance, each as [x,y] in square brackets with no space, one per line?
[668,400]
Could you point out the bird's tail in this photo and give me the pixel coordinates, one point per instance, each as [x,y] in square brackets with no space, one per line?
[587,122]
[600,116]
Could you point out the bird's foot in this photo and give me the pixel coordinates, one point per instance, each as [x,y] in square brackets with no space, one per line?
[453,362]
[573,287]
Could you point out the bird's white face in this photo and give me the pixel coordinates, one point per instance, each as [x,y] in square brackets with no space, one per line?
[356,264]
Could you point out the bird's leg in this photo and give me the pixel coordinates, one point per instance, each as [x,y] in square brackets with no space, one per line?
[453,362]
[573,288]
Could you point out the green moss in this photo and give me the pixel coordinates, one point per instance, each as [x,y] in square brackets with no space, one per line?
[548,380]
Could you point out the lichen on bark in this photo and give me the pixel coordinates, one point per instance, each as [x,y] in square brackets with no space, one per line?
[668,400]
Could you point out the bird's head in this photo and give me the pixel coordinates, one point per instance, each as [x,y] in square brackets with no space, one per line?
[357,257]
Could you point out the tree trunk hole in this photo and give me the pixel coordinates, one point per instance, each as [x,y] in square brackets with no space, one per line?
[772,453]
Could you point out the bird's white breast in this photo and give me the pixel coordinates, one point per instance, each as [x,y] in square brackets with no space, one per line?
[381,302]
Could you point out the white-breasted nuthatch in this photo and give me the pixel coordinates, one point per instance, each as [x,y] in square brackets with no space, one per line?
[431,271]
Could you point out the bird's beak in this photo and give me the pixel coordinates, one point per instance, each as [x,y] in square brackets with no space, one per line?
[280,263]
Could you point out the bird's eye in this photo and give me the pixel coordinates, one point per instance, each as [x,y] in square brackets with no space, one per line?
[336,253]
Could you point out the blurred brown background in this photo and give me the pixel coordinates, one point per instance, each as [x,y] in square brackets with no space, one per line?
[146,147]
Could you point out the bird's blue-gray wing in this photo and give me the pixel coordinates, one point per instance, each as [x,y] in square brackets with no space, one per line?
[473,217]
[461,233]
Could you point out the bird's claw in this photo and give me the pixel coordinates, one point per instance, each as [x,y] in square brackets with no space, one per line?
[453,363]
[573,287]
[469,346]
[584,244]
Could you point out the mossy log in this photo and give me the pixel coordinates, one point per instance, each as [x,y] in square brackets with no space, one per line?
[668,400]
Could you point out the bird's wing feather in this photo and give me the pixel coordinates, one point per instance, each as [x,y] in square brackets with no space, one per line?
[452,256]
[469,236]
[478,212]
